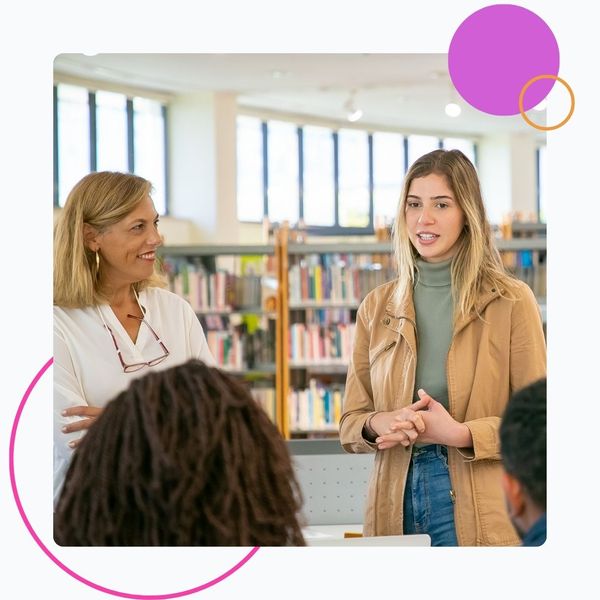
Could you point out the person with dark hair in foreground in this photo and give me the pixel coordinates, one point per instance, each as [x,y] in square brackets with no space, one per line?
[523,446]
[183,457]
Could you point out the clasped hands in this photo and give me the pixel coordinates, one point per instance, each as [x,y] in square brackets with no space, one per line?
[425,421]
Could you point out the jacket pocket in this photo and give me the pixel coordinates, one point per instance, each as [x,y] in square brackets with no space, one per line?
[494,527]
[378,352]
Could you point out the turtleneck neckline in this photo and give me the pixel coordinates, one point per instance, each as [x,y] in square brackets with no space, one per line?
[434,274]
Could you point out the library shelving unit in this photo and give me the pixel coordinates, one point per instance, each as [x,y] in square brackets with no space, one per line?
[281,316]
[321,289]
[233,290]
[525,256]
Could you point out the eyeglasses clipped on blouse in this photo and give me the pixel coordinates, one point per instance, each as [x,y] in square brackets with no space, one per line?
[137,366]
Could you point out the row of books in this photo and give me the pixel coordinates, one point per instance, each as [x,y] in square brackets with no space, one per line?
[227,349]
[242,343]
[316,408]
[312,343]
[220,290]
[265,397]
[335,278]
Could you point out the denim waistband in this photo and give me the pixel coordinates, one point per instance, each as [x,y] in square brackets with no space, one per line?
[430,448]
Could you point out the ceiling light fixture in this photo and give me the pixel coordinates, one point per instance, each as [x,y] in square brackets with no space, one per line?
[353,113]
[453,108]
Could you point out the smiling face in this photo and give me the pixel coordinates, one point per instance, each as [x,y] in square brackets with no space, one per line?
[128,248]
[434,220]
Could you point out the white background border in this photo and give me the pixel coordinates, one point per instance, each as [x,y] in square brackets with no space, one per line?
[32,33]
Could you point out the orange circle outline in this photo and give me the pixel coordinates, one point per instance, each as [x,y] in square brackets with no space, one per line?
[522,96]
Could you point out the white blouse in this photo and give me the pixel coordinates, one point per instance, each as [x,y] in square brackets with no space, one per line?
[87,370]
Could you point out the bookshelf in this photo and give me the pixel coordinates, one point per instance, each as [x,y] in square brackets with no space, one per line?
[281,316]
[233,291]
[321,318]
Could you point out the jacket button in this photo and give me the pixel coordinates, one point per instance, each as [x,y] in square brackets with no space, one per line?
[386,321]
[493,290]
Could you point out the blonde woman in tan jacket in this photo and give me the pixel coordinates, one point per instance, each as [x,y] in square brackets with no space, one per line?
[436,356]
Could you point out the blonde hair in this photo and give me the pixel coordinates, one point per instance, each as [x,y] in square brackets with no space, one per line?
[100,200]
[477,260]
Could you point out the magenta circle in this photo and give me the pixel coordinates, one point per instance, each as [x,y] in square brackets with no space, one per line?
[13,483]
[495,52]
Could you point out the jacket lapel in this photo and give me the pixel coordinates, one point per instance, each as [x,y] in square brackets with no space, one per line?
[400,317]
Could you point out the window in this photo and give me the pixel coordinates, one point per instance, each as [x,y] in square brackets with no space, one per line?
[388,174]
[282,191]
[73,135]
[347,181]
[106,131]
[149,148]
[467,147]
[353,190]
[250,195]
[318,176]
[111,132]
[419,145]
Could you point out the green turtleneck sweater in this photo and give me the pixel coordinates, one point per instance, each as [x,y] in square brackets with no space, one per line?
[434,309]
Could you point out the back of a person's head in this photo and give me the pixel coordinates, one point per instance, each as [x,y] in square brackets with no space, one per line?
[183,457]
[523,440]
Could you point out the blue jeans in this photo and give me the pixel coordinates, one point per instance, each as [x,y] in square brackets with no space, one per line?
[428,503]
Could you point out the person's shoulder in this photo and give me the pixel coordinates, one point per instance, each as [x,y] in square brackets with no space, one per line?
[163,297]
[517,290]
[64,315]
[379,297]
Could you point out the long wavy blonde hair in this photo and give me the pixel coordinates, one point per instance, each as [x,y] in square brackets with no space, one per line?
[100,200]
[477,260]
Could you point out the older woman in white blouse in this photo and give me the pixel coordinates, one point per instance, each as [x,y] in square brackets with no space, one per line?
[112,319]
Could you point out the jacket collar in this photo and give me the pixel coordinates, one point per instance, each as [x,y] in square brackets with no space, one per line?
[404,308]
[487,294]
[401,308]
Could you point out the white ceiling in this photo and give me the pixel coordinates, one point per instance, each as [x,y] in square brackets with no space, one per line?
[402,91]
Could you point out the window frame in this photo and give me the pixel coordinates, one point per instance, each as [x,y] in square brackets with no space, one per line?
[92,125]
[336,229]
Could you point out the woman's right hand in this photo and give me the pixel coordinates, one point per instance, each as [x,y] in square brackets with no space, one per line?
[407,421]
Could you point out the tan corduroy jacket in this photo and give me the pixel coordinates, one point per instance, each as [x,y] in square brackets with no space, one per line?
[487,360]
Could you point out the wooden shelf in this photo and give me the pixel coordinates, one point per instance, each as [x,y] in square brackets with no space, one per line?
[237,311]
[215,250]
[320,367]
[256,371]
[310,304]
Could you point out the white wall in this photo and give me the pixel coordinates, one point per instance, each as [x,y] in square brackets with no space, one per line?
[507,170]
[202,158]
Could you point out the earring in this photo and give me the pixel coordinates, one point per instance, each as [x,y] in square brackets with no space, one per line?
[97,264]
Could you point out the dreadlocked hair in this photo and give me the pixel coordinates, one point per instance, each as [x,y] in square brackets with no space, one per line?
[183,457]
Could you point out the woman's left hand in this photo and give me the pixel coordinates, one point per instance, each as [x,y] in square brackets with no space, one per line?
[440,427]
[88,414]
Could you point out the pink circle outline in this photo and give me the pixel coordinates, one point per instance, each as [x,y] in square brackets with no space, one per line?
[13,483]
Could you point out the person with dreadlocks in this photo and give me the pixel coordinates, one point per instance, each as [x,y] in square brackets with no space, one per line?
[182,457]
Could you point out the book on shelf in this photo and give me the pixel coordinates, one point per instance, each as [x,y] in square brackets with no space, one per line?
[335,278]
[240,342]
[221,290]
[311,343]
[316,408]
[266,398]
[528,266]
